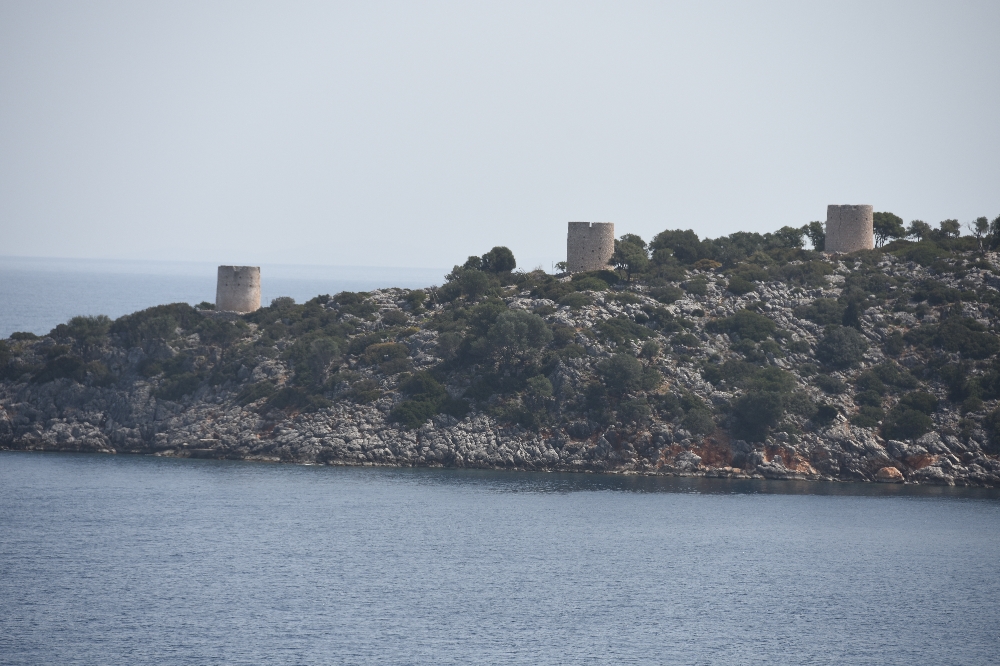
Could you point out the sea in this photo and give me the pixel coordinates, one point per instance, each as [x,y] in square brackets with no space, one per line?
[36,294]
[142,560]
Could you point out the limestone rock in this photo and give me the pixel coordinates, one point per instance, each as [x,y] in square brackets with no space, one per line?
[889,475]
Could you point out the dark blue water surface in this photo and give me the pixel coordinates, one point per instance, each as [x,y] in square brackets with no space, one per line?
[141,560]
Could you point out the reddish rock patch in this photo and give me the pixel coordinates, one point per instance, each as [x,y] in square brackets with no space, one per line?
[889,475]
[790,458]
[715,450]
[921,460]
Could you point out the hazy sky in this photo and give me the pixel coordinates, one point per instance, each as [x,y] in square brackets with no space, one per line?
[415,134]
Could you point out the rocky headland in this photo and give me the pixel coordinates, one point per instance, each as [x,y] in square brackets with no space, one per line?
[780,363]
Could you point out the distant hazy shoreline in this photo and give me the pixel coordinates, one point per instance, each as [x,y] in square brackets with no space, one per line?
[38,293]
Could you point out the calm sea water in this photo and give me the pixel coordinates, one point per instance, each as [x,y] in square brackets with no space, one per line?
[142,560]
[38,294]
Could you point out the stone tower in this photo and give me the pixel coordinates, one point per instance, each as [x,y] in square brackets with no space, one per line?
[238,289]
[589,246]
[849,228]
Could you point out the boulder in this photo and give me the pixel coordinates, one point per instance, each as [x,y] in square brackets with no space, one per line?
[889,475]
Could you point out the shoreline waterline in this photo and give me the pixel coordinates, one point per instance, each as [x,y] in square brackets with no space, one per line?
[630,480]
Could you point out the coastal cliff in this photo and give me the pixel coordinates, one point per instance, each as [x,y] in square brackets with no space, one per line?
[876,366]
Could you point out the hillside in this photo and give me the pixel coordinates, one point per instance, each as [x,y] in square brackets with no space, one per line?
[735,357]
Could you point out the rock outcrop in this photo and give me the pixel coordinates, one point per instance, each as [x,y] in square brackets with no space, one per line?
[120,394]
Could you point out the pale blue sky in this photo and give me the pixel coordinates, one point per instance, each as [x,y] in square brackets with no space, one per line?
[415,134]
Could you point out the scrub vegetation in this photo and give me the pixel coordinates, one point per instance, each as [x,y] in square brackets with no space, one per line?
[751,337]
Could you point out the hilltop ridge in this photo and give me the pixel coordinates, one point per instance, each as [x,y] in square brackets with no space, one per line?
[737,357]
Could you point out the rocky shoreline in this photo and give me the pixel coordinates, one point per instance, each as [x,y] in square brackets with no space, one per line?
[129,409]
[360,436]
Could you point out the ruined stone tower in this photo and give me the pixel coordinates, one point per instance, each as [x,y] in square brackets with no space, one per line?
[849,228]
[238,289]
[589,246]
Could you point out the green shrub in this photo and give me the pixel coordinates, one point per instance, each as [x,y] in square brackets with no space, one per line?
[311,356]
[769,379]
[841,347]
[755,413]
[423,386]
[904,423]
[607,276]
[936,293]
[499,260]
[697,286]
[685,340]
[413,413]
[254,392]
[427,397]
[364,391]
[94,373]
[869,397]
[823,311]
[360,343]
[731,371]
[415,299]
[296,399]
[966,335]
[868,416]
[620,329]
[798,347]
[621,373]
[870,381]
[751,272]
[354,303]
[634,410]
[219,332]
[924,253]
[22,336]
[625,298]
[808,273]
[992,425]
[971,404]
[825,414]
[744,323]
[893,345]
[395,317]
[699,422]
[159,323]
[920,401]
[576,300]
[174,389]
[70,367]
[590,284]
[739,285]
[85,330]
[884,376]
[515,339]
[384,351]
[395,366]
[957,334]
[650,349]
[829,384]
[563,335]
[684,246]
[667,294]
[651,379]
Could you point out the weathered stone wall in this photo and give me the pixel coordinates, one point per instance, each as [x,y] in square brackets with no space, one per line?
[238,289]
[849,228]
[589,245]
